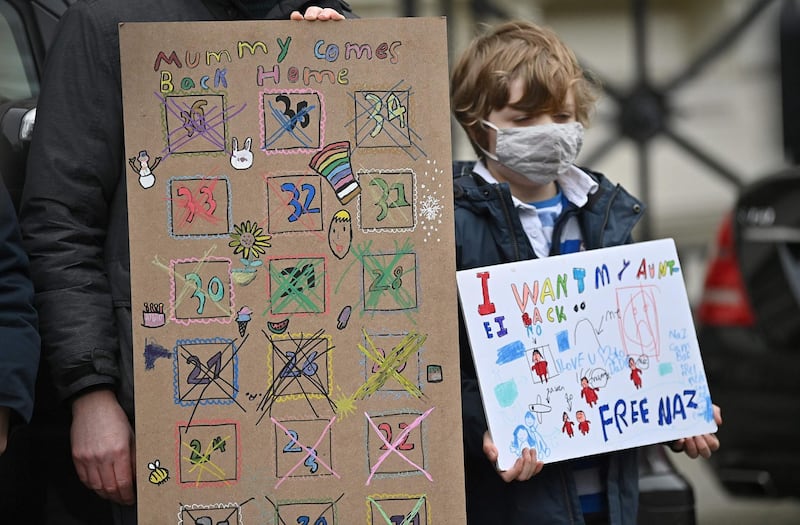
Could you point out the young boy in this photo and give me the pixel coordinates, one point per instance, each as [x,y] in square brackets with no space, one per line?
[522,99]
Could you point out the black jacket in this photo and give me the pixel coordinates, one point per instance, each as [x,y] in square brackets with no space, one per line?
[19,340]
[74,206]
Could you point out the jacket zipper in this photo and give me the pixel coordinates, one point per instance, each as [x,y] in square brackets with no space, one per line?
[503,205]
[567,498]
[555,246]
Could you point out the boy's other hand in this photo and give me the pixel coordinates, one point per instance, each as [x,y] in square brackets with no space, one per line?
[317,13]
[524,468]
[699,445]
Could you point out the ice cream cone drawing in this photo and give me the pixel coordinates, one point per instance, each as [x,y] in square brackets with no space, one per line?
[333,163]
[243,317]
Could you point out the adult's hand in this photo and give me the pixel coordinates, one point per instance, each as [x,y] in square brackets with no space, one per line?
[5,416]
[703,445]
[103,446]
[523,469]
[317,13]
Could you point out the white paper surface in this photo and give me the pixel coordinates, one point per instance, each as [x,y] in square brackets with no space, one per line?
[586,353]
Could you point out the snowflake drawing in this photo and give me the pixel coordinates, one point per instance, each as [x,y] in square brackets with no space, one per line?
[430,207]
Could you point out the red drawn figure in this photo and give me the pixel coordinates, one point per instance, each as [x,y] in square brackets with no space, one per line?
[588,392]
[540,366]
[583,423]
[567,428]
[636,373]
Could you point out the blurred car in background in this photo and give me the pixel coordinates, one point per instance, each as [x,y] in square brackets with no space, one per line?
[748,325]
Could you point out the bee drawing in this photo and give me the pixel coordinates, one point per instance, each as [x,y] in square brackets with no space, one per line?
[159,474]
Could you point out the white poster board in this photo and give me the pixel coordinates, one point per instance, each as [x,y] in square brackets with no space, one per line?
[586,353]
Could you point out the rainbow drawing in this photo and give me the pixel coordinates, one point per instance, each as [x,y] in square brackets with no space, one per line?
[333,163]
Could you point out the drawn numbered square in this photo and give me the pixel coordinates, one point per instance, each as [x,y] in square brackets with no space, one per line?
[294,203]
[397,447]
[292,121]
[216,514]
[390,282]
[382,119]
[297,285]
[199,207]
[391,363]
[309,513]
[398,510]
[303,449]
[201,290]
[206,371]
[388,200]
[300,366]
[208,453]
[195,123]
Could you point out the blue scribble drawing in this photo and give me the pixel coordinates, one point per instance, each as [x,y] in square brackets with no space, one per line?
[562,338]
[506,393]
[510,352]
[708,413]
[153,351]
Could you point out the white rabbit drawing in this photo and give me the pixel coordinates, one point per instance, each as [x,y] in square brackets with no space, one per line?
[241,159]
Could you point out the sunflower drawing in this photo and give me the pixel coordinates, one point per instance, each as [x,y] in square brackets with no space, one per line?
[249,239]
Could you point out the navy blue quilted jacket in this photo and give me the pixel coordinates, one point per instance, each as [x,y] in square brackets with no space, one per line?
[19,338]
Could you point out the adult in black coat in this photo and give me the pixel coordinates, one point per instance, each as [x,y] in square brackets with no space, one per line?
[74,222]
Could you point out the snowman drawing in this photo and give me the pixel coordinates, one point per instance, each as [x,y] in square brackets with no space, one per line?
[146,176]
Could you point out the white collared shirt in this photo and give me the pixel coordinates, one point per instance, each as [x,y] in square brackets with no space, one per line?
[538,219]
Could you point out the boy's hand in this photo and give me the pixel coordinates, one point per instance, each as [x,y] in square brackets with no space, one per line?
[699,445]
[524,468]
[103,446]
[317,13]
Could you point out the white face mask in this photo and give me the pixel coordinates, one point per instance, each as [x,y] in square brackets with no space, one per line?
[540,153]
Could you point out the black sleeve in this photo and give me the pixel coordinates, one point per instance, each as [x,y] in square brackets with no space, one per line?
[74,168]
[19,338]
[281,9]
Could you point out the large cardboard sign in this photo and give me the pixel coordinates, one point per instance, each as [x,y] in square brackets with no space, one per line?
[293,272]
[586,353]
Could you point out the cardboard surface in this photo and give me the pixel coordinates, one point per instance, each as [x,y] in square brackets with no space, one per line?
[293,272]
[587,352]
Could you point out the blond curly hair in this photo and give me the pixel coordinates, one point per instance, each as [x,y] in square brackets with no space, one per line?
[481,78]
